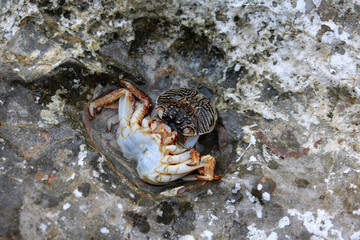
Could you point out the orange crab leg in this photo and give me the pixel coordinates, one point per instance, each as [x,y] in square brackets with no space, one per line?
[137,93]
[145,108]
[207,173]
[99,103]
[112,106]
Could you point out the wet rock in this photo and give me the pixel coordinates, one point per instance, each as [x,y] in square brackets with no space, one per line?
[12,198]
[138,221]
[234,75]
[302,183]
[84,189]
[184,222]
[238,231]
[167,213]
[264,188]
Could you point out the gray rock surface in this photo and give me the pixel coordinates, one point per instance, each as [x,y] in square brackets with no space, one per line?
[283,76]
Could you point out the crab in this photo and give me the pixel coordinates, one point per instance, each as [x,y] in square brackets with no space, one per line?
[150,137]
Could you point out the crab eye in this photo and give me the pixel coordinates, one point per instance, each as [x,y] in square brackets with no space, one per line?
[160,112]
[188,131]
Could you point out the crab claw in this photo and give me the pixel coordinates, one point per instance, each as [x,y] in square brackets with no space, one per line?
[207,173]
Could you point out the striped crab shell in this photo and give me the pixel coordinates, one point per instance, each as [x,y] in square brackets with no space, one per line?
[187,111]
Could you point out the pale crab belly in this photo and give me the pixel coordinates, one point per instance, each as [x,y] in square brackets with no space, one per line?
[145,149]
[142,148]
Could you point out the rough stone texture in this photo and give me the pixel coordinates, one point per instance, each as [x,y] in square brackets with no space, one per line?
[283,76]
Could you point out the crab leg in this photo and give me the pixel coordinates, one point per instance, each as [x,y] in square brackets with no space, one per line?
[180,168]
[137,93]
[99,103]
[207,173]
[195,158]
[114,105]
[158,179]
[192,155]
[139,114]
[125,107]
[173,149]
[144,109]
[174,159]
[173,172]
